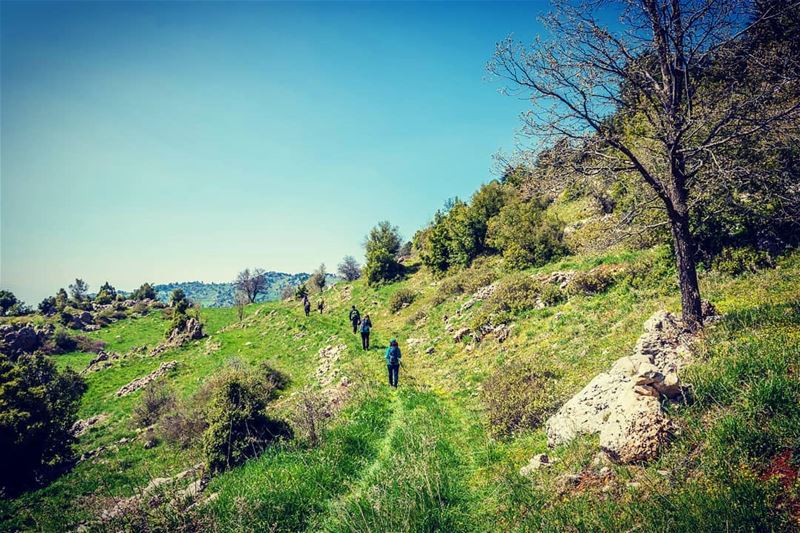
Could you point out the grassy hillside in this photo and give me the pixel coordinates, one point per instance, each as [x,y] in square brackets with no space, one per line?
[424,457]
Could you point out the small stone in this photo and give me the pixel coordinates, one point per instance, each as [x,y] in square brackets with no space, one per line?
[645,390]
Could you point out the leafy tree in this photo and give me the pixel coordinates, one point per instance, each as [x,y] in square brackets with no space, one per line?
[349,268]
[61,299]
[317,279]
[8,302]
[590,77]
[525,235]
[301,292]
[382,244]
[78,290]
[178,301]
[48,306]
[39,406]
[144,292]
[106,294]
[384,236]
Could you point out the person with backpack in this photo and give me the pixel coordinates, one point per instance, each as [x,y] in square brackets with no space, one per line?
[365,327]
[355,318]
[393,362]
[321,305]
[306,305]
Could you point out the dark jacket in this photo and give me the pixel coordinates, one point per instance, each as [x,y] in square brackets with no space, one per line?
[366,325]
[393,355]
[355,316]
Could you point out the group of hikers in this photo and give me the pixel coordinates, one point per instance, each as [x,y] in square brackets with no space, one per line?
[307,305]
[363,325]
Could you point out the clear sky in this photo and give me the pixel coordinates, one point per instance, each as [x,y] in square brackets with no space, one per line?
[185,141]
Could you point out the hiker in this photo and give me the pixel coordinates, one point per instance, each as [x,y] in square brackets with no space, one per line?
[355,318]
[321,305]
[306,305]
[393,362]
[365,326]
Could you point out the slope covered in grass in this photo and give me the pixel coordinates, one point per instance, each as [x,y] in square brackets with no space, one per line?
[425,457]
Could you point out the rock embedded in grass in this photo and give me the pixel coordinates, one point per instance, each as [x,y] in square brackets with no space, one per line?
[623,405]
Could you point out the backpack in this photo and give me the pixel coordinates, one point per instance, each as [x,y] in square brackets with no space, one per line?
[394,355]
[365,325]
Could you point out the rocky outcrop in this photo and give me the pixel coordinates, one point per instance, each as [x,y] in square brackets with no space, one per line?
[17,339]
[101,361]
[623,405]
[192,330]
[82,426]
[161,490]
[142,382]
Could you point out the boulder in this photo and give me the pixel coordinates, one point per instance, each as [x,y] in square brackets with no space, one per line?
[459,335]
[623,405]
[142,382]
[82,426]
[16,339]
[636,429]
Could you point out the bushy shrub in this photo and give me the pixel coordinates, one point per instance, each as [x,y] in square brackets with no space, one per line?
[157,398]
[476,278]
[400,299]
[39,406]
[517,293]
[185,424]
[238,426]
[525,235]
[89,345]
[594,281]
[382,266]
[309,417]
[736,261]
[551,295]
[517,397]
[64,342]
[144,292]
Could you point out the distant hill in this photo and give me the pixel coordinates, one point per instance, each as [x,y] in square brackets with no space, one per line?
[222,294]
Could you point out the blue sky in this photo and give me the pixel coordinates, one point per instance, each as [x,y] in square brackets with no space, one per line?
[183,141]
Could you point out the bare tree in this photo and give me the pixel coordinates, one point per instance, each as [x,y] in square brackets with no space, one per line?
[251,284]
[349,268]
[240,300]
[590,83]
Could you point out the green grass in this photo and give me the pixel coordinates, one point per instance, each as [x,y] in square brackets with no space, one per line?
[422,458]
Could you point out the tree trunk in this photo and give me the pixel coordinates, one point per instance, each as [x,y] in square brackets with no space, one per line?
[687,273]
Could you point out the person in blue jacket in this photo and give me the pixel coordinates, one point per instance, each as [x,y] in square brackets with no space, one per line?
[393,362]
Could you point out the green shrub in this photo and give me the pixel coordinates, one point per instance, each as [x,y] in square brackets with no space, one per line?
[238,426]
[525,235]
[476,278]
[551,295]
[736,261]
[63,341]
[593,281]
[401,299]
[517,293]
[517,397]
[157,398]
[39,406]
